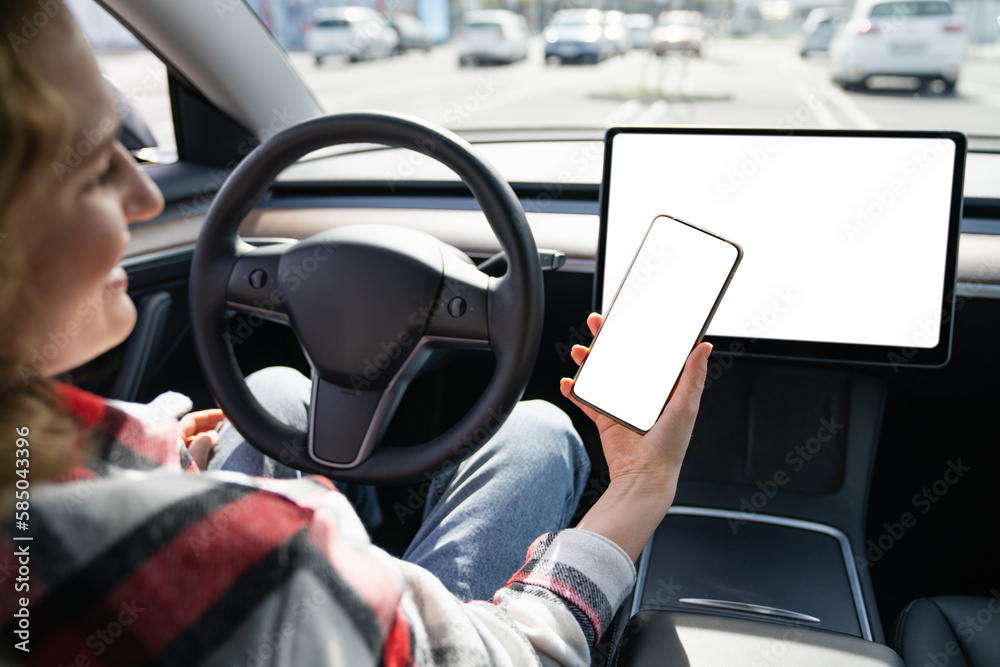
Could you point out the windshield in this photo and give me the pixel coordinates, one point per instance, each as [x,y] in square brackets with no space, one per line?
[751,63]
[924,64]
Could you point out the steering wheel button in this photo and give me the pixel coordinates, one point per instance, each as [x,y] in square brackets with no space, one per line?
[258,279]
[456,307]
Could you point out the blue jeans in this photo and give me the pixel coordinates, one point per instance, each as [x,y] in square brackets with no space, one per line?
[480,517]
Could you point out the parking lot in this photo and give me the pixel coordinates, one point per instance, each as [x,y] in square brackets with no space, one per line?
[757,82]
[738,82]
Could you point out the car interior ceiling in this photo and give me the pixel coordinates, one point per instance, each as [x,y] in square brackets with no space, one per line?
[753,410]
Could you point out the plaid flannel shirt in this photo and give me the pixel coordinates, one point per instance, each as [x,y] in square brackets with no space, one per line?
[135,559]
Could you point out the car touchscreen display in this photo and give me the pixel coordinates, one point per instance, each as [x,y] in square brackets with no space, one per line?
[850,238]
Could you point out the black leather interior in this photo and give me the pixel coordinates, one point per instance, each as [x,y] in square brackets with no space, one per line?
[950,630]
[143,347]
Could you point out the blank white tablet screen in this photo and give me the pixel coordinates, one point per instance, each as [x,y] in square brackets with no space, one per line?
[845,238]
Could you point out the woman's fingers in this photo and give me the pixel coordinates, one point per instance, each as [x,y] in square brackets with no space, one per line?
[594,321]
[194,423]
[566,387]
[687,396]
[579,353]
[206,420]
[200,448]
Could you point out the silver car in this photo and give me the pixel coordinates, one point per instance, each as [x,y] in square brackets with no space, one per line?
[359,33]
[923,39]
[679,31]
[491,35]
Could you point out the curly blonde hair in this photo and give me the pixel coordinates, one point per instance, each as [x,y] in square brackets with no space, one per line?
[35,122]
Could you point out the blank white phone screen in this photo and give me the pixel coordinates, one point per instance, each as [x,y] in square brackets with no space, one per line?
[654,322]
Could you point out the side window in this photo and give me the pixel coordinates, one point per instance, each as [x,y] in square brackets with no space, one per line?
[139,79]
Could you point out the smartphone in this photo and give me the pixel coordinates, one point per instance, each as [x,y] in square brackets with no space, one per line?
[659,314]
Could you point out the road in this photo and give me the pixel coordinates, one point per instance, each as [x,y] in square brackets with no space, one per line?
[755,82]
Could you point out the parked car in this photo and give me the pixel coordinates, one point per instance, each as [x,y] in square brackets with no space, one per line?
[359,33]
[639,28]
[923,39]
[678,30]
[411,32]
[617,31]
[819,28]
[577,35]
[491,35]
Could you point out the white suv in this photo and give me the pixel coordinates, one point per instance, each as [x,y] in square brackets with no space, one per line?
[924,39]
[360,33]
[491,35]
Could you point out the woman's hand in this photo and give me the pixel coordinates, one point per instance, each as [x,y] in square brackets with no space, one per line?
[197,430]
[643,468]
[656,456]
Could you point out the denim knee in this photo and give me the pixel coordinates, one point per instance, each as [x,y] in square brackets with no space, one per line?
[278,377]
[541,433]
[284,392]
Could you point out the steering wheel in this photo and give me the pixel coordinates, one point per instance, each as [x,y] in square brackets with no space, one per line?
[369,305]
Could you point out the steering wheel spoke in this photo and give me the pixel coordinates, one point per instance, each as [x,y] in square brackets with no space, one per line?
[346,424]
[460,311]
[254,288]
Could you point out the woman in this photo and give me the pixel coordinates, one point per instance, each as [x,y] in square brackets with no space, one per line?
[133,556]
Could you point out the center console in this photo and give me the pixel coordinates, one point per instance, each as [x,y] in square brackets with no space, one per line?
[716,587]
[756,568]
[760,560]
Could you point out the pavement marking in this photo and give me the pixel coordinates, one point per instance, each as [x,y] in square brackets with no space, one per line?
[851,110]
[656,110]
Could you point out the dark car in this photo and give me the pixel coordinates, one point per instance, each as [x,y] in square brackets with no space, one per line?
[819,27]
[578,35]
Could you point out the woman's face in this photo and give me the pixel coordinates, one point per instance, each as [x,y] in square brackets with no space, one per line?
[74,230]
